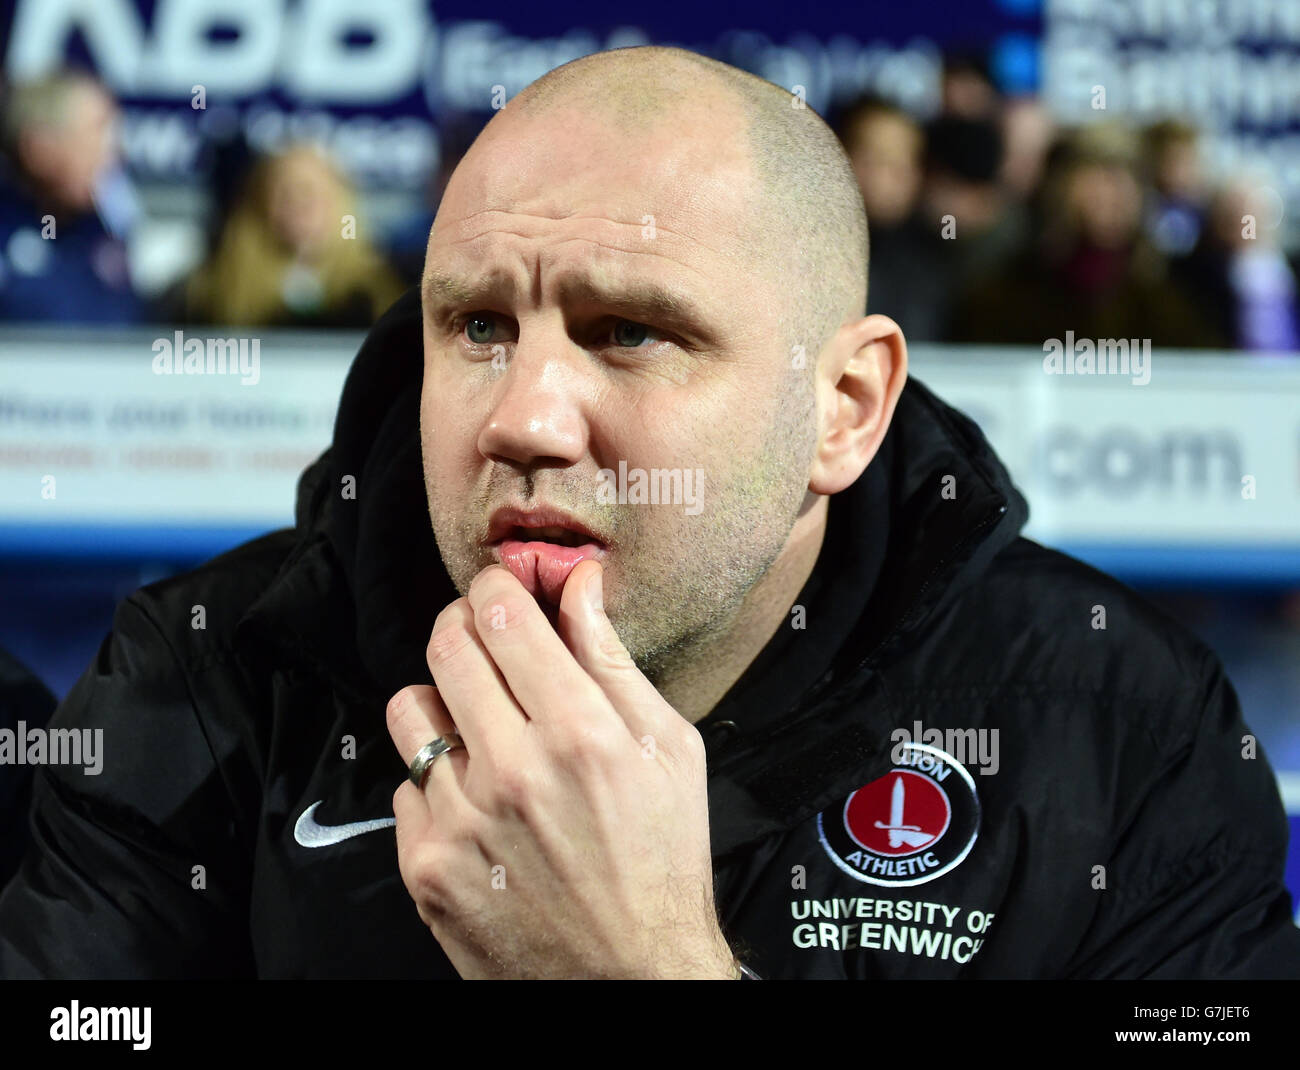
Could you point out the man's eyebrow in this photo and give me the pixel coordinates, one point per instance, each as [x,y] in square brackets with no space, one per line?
[640,299]
[440,288]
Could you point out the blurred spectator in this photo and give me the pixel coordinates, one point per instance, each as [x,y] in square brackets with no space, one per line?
[1177,198]
[963,191]
[936,211]
[1027,133]
[66,208]
[292,253]
[885,146]
[966,90]
[1239,275]
[1089,268]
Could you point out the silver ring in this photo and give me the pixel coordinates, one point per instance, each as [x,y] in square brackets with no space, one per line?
[430,753]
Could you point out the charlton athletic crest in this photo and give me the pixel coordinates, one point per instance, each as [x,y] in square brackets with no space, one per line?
[916,823]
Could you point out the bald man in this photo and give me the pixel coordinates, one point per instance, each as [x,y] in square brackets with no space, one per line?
[699,646]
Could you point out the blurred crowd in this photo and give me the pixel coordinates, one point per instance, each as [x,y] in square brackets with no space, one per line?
[286,247]
[989,223]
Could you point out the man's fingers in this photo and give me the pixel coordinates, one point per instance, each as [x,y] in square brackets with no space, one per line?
[415,827]
[416,716]
[596,647]
[533,659]
[471,684]
[417,833]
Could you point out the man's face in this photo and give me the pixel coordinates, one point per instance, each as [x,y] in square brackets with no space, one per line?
[547,360]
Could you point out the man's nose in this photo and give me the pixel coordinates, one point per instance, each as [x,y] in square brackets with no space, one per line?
[537,405]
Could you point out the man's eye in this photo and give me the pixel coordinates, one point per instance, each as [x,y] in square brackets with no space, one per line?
[479,328]
[629,334]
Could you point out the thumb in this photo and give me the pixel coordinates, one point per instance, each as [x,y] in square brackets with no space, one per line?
[592,640]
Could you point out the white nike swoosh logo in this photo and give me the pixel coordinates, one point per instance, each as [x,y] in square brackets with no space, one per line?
[309,834]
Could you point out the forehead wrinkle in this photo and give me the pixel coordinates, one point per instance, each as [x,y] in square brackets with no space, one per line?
[442,285]
[635,224]
[637,249]
[620,250]
[605,263]
[599,280]
[606,281]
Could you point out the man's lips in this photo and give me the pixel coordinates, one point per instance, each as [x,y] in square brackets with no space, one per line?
[543,522]
[541,546]
[544,567]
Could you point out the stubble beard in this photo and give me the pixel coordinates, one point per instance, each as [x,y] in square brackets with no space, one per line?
[678,591]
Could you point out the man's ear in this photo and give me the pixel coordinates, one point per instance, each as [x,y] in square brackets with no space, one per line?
[859,378]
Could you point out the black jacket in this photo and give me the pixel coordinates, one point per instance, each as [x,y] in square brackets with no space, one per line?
[25,702]
[1123,833]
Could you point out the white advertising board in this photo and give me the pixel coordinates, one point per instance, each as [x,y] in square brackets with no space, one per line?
[101,446]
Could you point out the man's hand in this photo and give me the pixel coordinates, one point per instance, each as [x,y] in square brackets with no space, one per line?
[570,836]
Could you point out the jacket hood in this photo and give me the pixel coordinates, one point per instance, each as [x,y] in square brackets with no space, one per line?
[937,541]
